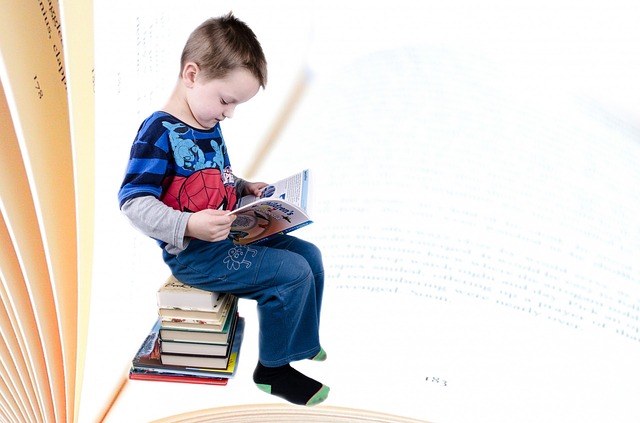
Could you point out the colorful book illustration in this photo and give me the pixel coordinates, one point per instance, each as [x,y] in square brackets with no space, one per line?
[282,208]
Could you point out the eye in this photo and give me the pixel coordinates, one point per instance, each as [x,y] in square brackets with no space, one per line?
[223,102]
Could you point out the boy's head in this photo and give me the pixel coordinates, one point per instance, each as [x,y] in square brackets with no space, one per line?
[221,45]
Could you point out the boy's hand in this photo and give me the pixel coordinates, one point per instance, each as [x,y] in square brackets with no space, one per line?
[254,188]
[210,225]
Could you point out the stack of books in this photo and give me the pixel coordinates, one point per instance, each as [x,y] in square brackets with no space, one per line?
[196,338]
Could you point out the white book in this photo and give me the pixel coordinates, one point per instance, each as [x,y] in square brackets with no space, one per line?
[175,294]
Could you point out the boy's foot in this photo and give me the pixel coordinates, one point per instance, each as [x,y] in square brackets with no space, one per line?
[288,383]
[321,356]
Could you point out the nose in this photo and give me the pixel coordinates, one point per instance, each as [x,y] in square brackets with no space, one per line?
[228,113]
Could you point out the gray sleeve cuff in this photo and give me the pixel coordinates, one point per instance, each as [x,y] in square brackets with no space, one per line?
[157,220]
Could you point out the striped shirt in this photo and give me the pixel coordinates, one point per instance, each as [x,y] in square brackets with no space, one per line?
[186,168]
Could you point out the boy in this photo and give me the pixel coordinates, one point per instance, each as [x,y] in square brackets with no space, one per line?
[181,147]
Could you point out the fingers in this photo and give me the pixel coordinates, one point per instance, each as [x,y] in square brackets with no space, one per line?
[219,225]
[210,225]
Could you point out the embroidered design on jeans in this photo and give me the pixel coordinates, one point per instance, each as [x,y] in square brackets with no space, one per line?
[238,256]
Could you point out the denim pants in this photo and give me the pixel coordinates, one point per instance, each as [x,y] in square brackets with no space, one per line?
[285,276]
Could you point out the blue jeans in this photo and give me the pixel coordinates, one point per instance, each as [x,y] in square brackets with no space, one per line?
[285,275]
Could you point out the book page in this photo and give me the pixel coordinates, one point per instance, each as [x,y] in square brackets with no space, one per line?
[77,30]
[34,79]
[18,374]
[13,368]
[23,265]
[485,239]
[292,189]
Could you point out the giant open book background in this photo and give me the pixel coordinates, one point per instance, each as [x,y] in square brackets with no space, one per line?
[476,197]
[46,205]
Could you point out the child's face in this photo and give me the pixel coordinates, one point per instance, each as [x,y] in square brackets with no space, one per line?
[212,100]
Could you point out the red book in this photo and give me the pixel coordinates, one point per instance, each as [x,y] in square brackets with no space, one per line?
[174,377]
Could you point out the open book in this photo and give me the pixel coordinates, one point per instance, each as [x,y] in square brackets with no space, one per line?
[479,230]
[281,208]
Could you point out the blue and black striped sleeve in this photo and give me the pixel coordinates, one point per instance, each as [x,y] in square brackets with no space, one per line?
[148,163]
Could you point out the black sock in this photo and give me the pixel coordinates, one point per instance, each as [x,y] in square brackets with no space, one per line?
[288,383]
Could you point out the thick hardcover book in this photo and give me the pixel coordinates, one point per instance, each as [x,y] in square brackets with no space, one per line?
[175,294]
[192,360]
[197,348]
[180,324]
[281,208]
[194,335]
[199,315]
[202,325]
[176,318]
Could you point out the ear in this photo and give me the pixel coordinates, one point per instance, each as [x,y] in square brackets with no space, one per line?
[190,73]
